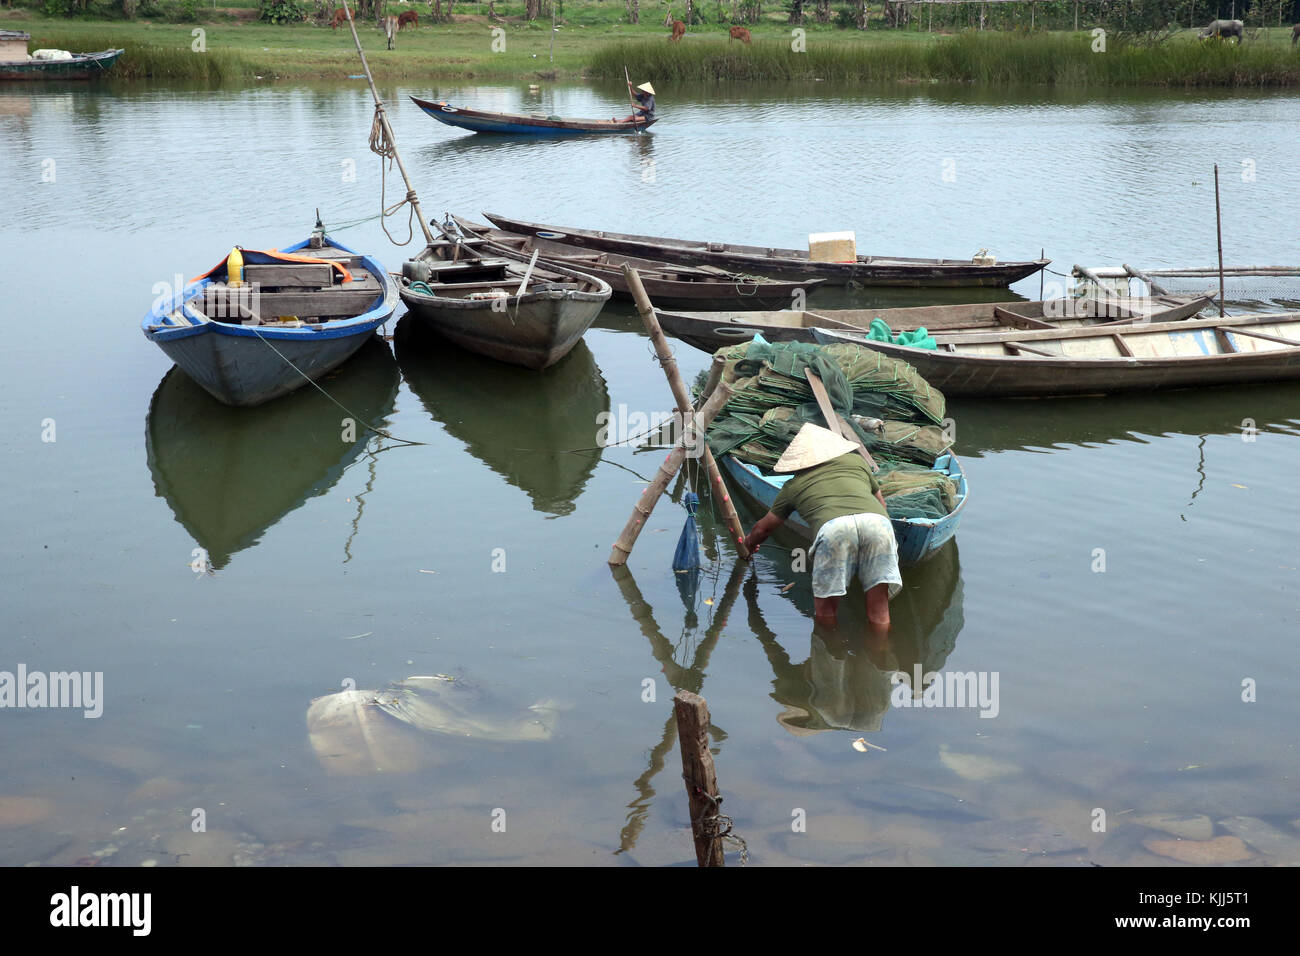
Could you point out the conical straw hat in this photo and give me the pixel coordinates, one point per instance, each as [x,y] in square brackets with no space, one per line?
[813,445]
[646,87]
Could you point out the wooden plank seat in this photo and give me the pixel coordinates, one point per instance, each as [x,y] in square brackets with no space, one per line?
[297,275]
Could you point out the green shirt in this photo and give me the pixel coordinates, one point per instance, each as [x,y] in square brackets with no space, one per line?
[833,489]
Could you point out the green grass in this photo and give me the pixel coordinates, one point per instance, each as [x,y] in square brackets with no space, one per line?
[987,58]
[594,42]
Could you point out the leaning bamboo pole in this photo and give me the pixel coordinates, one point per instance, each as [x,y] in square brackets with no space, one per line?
[411,197]
[665,354]
[693,431]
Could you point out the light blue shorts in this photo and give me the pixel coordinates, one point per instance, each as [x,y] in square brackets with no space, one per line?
[861,545]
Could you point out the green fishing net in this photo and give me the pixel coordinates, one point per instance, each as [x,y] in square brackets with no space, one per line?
[892,409]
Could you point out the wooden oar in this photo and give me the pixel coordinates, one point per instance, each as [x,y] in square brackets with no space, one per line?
[833,421]
[631,102]
[528,272]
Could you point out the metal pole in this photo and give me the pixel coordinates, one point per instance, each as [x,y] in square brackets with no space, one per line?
[1218,227]
[388,130]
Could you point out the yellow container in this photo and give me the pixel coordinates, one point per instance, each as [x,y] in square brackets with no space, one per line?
[235,268]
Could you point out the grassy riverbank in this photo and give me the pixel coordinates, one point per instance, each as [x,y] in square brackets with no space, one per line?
[591,42]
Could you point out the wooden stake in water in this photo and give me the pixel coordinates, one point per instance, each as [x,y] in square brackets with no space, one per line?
[1218,228]
[692,714]
[388,130]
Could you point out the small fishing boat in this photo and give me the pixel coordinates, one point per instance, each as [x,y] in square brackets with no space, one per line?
[673,286]
[918,538]
[711,331]
[1231,350]
[527,315]
[533,124]
[16,64]
[290,316]
[787,263]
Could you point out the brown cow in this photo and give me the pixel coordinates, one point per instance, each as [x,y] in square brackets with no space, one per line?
[679,31]
[739,33]
[407,17]
[340,17]
[1295,34]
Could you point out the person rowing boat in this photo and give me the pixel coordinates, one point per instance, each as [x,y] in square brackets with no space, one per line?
[644,107]
[840,499]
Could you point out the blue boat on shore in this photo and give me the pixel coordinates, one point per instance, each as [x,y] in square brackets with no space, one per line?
[918,538]
[292,316]
[534,124]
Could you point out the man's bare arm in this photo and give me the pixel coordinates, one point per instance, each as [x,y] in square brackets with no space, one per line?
[763,527]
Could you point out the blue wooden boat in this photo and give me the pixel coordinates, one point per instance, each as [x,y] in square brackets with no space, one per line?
[534,124]
[300,312]
[918,538]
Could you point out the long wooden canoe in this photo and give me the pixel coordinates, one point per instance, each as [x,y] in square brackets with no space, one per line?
[671,285]
[711,331]
[499,307]
[786,263]
[533,124]
[918,538]
[1228,350]
[290,318]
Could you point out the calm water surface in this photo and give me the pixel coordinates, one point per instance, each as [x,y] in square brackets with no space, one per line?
[363,561]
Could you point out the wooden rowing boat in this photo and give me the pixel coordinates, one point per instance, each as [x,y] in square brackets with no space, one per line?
[15,64]
[918,538]
[524,315]
[1228,350]
[673,286]
[533,124]
[711,331]
[300,312]
[786,263]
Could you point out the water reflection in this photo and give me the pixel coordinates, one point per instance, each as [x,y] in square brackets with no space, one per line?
[229,474]
[844,683]
[520,423]
[987,426]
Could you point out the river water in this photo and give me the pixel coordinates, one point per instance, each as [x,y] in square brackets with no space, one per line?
[1126,567]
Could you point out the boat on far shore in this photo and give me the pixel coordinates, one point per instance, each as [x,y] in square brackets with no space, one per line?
[16,64]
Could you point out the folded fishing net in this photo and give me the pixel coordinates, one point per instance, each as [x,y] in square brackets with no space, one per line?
[893,410]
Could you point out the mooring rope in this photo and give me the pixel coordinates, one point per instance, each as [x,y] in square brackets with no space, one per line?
[351,414]
[718,825]
[385,149]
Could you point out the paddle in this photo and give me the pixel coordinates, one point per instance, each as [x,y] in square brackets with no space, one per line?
[631,102]
[832,419]
[528,272]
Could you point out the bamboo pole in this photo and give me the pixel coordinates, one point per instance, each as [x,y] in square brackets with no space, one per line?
[683,399]
[650,497]
[388,130]
[1218,228]
[1152,284]
[692,713]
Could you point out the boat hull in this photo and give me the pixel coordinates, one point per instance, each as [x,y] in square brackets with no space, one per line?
[535,330]
[82,66]
[477,121]
[711,331]
[790,263]
[1198,362]
[918,539]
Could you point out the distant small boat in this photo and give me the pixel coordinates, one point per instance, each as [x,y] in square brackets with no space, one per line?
[533,124]
[300,312]
[529,315]
[15,64]
[918,538]
[668,284]
[1092,360]
[788,263]
[711,331]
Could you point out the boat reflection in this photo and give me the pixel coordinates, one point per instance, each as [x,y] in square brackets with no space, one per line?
[519,422]
[987,426]
[229,474]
